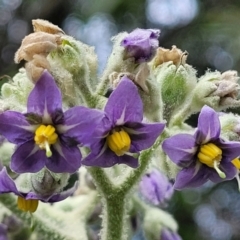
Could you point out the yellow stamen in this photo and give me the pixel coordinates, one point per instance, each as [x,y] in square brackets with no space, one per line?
[44,137]
[27,205]
[236,163]
[119,142]
[211,155]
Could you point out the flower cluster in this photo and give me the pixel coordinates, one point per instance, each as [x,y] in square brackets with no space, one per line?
[48,137]
[67,127]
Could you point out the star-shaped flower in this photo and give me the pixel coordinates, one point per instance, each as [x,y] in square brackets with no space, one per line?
[122,135]
[28,201]
[203,156]
[45,136]
[141,44]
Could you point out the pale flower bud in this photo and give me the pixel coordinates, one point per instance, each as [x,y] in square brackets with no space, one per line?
[46,182]
[219,91]
[155,220]
[176,84]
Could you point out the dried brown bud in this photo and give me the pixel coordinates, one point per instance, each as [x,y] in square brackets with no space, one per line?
[40,25]
[36,66]
[36,46]
[36,43]
[176,55]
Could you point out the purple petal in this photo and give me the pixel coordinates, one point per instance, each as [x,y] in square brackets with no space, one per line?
[128,160]
[28,158]
[228,168]
[7,185]
[84,125]
[208,126]
[45,98]
[155,187]
[181,149]
[167,234]
[141,44]
[124,104]
[193,176]
[14,127]
[230,150]
[64,158]
[3,232]
[102,156]
[143,135]
[63,195]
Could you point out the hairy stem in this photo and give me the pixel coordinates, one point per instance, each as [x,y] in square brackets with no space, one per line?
[101,180]
[114,217]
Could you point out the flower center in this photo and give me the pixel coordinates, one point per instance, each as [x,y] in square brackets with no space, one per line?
[27,204]
[119,142]
[211,155]
[44,137]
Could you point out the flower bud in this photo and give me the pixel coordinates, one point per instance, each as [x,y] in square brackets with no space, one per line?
[155,220]
[36,46]
[219,91]
[45,182]
[3,232]
[12,223]
[74,66]
[176,85]
[156,188]
[15,92]
[141,44]
[176,55]
[40,25]
[130,51]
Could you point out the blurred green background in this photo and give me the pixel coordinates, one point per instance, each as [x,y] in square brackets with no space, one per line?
[209,30]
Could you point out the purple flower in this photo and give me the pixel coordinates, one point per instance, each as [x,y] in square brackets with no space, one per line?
[203,156]
[3,232]
[45,136]
[122,135]
[28,201]
[141,44]
[156,188]
[167,234]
